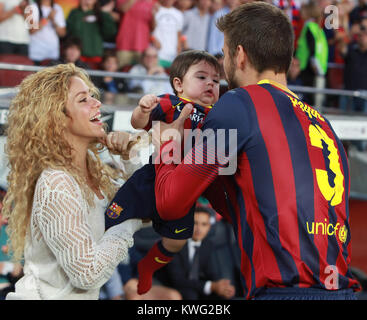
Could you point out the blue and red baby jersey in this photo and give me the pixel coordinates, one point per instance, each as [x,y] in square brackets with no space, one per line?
[136,197]
[169,109]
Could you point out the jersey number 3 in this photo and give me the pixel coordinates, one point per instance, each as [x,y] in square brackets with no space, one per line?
[331,189]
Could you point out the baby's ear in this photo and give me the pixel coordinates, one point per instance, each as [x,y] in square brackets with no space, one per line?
[177,84]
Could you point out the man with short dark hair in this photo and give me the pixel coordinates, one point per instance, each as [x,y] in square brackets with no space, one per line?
[288,195]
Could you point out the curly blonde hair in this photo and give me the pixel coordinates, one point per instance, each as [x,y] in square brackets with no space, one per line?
[36,141]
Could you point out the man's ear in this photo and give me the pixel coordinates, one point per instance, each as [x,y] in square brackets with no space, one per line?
[177,84]
[241,57]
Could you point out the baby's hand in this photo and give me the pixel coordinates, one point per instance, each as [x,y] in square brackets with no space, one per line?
[148,103]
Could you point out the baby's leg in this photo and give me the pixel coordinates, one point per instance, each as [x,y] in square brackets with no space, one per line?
[174,236]
[135,198]
[157,257]
[173,245]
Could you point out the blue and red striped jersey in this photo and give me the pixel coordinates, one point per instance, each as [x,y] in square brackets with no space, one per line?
[169,109]
[288,197]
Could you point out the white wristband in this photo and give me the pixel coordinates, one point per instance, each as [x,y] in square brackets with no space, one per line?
[8,267]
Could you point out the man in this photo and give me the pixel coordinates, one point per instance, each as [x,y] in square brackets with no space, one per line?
[358,12]
[288,197]
[193,270]
[355,71]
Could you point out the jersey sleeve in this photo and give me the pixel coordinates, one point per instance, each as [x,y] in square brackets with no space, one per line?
[225,131]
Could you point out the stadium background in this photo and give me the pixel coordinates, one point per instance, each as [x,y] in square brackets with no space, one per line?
[350,127]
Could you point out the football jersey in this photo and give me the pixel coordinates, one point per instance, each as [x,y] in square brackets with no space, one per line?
[288,196]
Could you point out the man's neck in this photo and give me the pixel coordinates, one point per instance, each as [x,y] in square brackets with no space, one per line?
[253,77]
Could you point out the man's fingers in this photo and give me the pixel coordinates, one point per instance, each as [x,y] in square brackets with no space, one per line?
[185,113]
[163,132]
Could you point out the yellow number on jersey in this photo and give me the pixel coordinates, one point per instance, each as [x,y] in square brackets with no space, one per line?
[335,194]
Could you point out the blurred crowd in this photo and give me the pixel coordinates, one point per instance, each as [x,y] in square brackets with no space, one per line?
[144,36]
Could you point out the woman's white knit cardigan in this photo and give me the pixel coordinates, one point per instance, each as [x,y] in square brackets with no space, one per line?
[67,253]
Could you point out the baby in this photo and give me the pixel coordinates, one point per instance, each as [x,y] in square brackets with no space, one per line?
[194,77]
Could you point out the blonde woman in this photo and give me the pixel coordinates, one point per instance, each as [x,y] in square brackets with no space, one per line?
[58,188]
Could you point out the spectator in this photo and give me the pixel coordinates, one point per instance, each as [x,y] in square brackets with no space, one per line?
[149,66]
[215,6]
[14,36]
[355,72]
[216,38]
[293,9]
[312,51]
[71,52]
[193,270]
[110,6]
[184,5]
[167,33]
[196,25]
[359,12]
[136,26]
[47,27]
[335,75]
[293,76]
[93,25]
[109,84]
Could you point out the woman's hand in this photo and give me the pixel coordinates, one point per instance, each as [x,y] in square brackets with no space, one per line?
[120,142]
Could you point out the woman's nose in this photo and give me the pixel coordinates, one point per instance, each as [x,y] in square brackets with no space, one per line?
[97,103]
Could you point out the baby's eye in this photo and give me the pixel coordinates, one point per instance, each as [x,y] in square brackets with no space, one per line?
[201,77]
[83,100]
[216,81]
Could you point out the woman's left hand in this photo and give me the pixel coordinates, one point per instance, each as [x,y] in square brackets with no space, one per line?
[120,142]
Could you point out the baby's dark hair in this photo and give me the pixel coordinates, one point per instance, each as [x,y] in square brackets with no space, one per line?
[186,59]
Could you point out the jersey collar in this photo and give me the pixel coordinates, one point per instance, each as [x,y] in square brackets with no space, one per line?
[279,86]
[190,101]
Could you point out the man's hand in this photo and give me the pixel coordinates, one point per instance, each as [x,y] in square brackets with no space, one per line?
[163,132]
[223,288]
